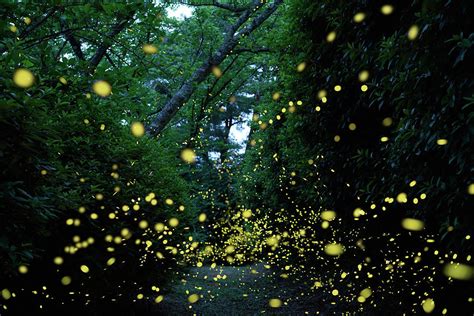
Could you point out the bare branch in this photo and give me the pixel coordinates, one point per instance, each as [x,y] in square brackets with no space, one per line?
[34,26]
[36,41]
[217,4]
[110,60]
[126,49]
[60,51]
[102,49]
[250,50]
[209,98]
[75,44]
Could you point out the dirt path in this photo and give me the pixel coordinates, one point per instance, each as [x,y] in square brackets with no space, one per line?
[245,290]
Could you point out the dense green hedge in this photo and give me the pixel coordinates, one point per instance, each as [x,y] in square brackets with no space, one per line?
[61,146]
[423,85]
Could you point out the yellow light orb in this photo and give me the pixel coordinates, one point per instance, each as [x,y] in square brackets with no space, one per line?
[458,271]
[159,227]
[387,121]
[331,37]
[216,71]
[188,155]
[6,294]
[193,298]
[137,129]
[334,249]
[23,269]
[328,215]
[428,305]
[301,67]
[413,224]
[173,222]
[359,17]
[386,9]
[470,189]
[149,49]
[58,260]
[247,213]
[275,303]
[402,197]
[23,78]
[66,280]
[102,88]
[413,32]
[442,142]
[322,93]
[363,75]
[366,293]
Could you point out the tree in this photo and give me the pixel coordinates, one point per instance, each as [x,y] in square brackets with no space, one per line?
[231,40]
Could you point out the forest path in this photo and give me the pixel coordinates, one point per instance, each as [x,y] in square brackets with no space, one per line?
[240,290]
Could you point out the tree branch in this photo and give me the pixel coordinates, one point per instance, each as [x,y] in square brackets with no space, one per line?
[45,38]
[249,50]
[161,88]
[110,60]
[126,49]
[211,96]
[60,51]
[34,26]
[102,49]
[75,44]
[215,4]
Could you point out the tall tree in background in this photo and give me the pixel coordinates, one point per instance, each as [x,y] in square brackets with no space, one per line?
[250,19]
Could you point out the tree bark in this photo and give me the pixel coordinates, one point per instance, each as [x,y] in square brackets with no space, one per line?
[231,40]
[75,44]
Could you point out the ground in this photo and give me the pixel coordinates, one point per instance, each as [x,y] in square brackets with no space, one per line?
[240,290]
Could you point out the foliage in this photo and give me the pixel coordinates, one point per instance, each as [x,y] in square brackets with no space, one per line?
[74,180]
[349,149]
[360,118]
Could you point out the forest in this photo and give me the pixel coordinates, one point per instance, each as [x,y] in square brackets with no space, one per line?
[246,157]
